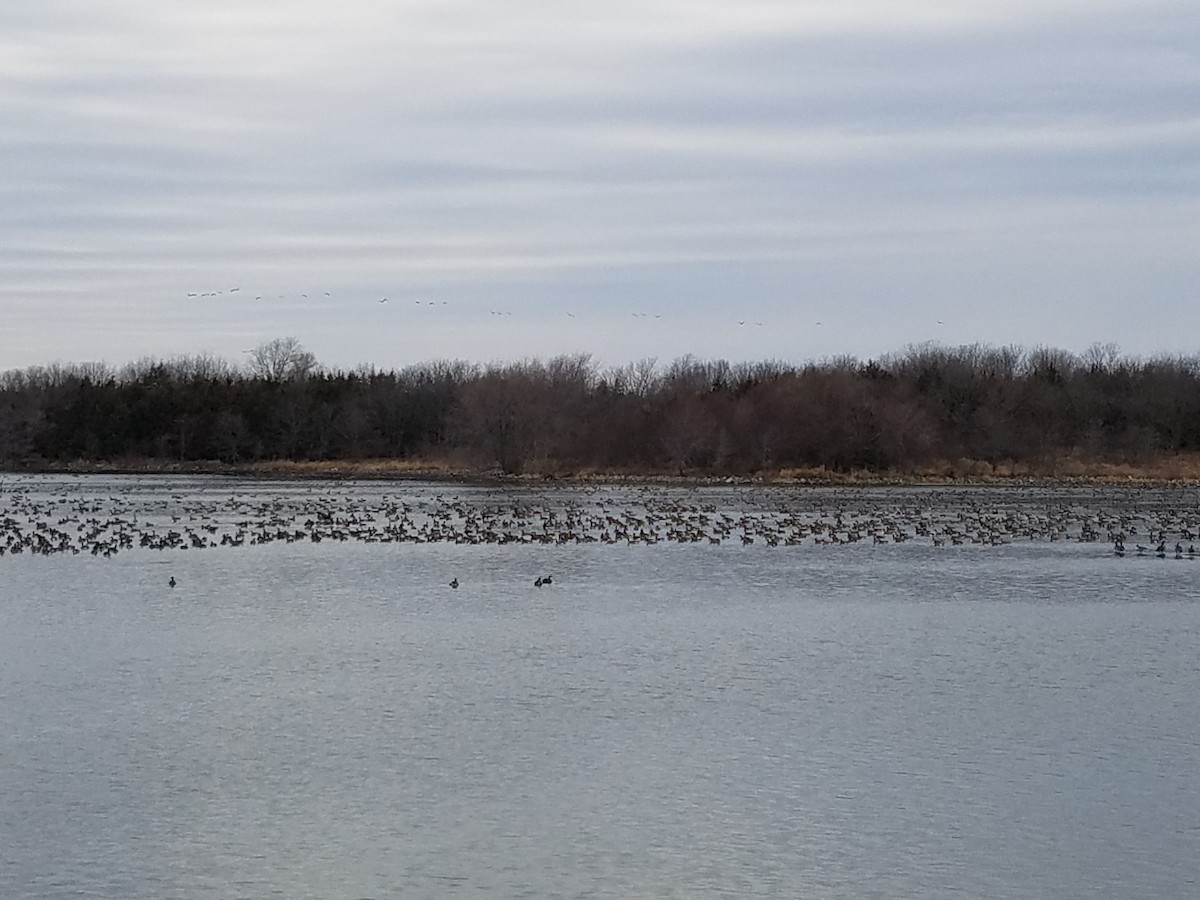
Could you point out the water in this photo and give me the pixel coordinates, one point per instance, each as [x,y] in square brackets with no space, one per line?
[665,720]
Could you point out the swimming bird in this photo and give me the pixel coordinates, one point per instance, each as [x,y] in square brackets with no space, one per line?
[171,583]
[454,584]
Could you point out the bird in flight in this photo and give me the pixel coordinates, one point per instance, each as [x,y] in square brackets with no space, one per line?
[383,300]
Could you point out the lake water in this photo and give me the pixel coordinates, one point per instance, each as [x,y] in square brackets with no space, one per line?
[994,706]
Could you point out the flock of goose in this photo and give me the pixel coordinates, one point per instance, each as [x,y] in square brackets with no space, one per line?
[70,516]
[428,304]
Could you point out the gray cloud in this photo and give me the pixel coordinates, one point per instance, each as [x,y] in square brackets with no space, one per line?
[1004,172]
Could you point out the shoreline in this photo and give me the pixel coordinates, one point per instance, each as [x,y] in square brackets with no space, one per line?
[1173,471]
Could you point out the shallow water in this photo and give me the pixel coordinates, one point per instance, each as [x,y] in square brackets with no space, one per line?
[666,719]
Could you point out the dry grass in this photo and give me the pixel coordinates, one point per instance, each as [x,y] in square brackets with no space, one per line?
[1180,469]
[353,468]
[1172,469]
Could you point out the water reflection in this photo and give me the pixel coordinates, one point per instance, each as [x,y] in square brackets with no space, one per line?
[666,719]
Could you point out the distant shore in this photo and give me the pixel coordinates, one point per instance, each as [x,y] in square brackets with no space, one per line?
[1173,470]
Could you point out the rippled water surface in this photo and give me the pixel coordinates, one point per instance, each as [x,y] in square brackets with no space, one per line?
[874,694]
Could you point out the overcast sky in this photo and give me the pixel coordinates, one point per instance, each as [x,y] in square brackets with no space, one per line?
[637,178]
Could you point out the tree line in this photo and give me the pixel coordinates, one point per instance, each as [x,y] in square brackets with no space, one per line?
[902,412]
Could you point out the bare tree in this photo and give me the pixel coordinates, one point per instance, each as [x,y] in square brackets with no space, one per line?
[638,379]
[505,412]
[202,366]
[283,359]
[689,433]
[1101,358]
[229,433]
[20,415]
[96,372]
